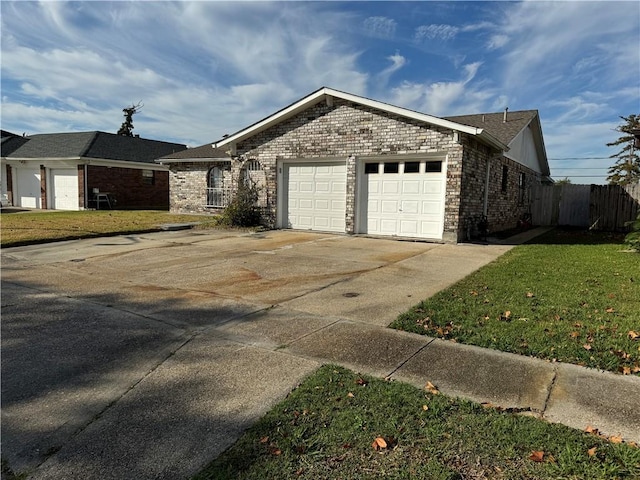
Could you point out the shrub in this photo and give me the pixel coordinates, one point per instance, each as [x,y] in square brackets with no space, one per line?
[633,238]
[243,211]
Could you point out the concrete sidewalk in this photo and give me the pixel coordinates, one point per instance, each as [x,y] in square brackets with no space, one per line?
[152,375]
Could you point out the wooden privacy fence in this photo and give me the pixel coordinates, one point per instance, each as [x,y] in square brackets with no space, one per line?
[599,207]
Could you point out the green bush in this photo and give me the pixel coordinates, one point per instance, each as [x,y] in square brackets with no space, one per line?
[633,238]
[243,211]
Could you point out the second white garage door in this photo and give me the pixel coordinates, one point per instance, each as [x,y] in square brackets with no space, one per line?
[315,196]
[404,199]
[28,186]
[65,189]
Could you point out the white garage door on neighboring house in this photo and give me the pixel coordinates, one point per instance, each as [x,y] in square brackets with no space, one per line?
[65,189]
[403,198]
[315,196]
[28,187]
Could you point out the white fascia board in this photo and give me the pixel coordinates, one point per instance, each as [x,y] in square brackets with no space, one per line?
[101,162]
[192,160]
[317,96]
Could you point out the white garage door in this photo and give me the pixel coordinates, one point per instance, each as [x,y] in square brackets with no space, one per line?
[28,187]
[405,198]
[315,196]
[65,189]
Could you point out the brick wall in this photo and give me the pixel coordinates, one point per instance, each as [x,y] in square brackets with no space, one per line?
[128,188]
[188,186]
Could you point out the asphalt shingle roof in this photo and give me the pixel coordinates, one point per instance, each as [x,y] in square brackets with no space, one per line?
[108,146]
[494,124]
[203,151]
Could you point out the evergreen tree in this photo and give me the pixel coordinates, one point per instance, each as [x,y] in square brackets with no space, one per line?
[626,170]
[126,129]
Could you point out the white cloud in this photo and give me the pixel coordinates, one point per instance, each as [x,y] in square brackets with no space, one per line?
[497,41]
[431,32]
[397,62]
[444,98]
[381,27]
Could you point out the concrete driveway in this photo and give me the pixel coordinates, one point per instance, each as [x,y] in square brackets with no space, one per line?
[146,356]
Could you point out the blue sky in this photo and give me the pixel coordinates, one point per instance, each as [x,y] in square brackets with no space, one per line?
[203,69]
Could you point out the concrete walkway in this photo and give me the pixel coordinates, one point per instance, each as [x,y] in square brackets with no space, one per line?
[154,373]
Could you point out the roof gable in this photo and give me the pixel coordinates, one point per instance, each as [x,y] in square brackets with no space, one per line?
[519,125]
[327,94]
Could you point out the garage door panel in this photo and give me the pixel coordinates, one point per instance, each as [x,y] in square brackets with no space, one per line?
[315,196]
[406,204]
[65,189]
[410,206]
[28,186]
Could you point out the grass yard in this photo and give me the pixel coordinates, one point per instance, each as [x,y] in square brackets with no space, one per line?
[335,426]
[567,296]
[35,227]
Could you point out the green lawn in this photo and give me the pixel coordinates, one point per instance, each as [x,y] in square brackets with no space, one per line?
[327,427]
[35,227]
[567,296]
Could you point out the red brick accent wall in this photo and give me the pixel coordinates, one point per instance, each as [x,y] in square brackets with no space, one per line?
[9,185]
[81,187]
[126,185]
[43,187]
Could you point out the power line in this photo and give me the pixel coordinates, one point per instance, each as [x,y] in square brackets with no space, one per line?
[578,158]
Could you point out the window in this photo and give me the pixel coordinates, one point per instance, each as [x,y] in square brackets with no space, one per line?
[148,177]
[433,167]
[505,178]
[391,167]
[411,167]
[217,194]
[522,186]
[370,168]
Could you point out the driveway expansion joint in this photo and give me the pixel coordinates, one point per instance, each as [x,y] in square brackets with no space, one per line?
[550,388]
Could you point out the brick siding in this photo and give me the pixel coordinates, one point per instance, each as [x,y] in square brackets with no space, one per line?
[127,187]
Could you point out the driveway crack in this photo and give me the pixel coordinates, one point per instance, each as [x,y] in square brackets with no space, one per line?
[549,392]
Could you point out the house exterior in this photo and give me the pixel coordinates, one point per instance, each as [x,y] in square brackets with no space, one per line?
[337,162]
[77,171]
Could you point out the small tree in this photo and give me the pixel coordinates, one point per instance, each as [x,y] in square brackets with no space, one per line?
[626,170]
[564,181]
[126,129]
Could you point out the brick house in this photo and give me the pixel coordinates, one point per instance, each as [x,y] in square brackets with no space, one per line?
[337,162]
[77,171]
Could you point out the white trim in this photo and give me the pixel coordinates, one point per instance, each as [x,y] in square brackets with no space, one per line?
[74,162]
[325,92]
[192,160]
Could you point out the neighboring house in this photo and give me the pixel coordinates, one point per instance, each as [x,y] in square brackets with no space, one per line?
[76,171]
[337,162]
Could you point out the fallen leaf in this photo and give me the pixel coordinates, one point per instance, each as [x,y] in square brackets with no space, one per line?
[350,395]
[591,430]
[633,335]
[474,293]
[379,443]
[530,295]
[577,325]
[625,370]
[537,456]
[431,388]
[276,451]
[611,295]
[264,439]
[425,407]
[574,334]
[586,346]
[507,314]
[610,310]
[615,439]
[592,451]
